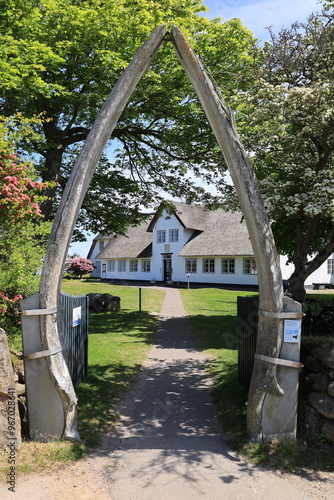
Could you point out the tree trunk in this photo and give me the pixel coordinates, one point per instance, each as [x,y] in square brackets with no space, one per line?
[303,266]
[51,173]
[296,287]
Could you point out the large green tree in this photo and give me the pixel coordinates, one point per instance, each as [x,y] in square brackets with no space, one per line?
[287,123]
[62,57]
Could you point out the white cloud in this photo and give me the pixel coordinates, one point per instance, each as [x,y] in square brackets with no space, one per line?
[259,14]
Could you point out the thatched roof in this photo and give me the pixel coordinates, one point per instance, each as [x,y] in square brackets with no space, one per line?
[224,234]
[215,233]
[137,243]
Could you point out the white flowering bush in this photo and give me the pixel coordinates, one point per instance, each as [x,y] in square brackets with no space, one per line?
[286,122]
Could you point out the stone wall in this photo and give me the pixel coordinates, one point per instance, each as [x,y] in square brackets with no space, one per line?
[317,391]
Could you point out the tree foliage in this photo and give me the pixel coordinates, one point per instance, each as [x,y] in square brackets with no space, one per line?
[287,122]
[63,57]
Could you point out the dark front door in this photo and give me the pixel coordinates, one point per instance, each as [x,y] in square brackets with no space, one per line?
[167,268]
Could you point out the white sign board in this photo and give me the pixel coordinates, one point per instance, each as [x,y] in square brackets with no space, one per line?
[76,316]
[292,330]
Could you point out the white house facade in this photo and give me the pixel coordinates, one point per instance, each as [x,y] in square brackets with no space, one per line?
[187,243]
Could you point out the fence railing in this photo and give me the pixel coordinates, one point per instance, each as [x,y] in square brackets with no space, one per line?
[74,316]
[247,322]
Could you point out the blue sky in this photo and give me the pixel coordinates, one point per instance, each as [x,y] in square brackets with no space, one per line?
[256,16]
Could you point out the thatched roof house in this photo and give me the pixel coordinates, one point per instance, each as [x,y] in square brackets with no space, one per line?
[187,242]
[172,243]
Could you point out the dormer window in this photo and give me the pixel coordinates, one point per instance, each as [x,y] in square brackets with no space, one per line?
[101,245]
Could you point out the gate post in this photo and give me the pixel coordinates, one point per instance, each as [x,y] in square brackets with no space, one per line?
[279,417]
[44,404]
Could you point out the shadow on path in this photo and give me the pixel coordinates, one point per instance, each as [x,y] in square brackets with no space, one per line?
[168,443]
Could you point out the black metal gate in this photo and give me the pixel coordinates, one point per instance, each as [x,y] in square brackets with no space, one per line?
[246,334]
[75,335]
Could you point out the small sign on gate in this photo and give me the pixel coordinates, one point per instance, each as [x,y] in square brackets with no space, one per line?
[76,316]
[292,329]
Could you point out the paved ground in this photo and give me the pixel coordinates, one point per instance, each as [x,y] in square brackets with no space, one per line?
[169,443]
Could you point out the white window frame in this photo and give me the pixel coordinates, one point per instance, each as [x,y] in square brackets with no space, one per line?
[161,236]
[173,235]
[249,266]
[209,266]
[101,245]
[111,266]
[145,266]
[228,265]
[330,266]
[121,266]
[191,265]
[133,266]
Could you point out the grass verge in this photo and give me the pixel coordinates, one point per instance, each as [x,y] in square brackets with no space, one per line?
[212,313]
[118,344]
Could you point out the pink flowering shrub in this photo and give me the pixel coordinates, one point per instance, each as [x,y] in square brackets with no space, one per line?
[79,266]
[18,194]
[10,306]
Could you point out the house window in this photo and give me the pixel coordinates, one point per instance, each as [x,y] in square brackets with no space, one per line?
[228,266]
[191,265]
[101,245]
[208,265]
[145,266]
[249,265]
[133,266]
[110,266]
[161,236]
[173,235]
[121,266]
[330,266]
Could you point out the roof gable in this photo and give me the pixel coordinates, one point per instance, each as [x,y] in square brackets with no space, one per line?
[189,216]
